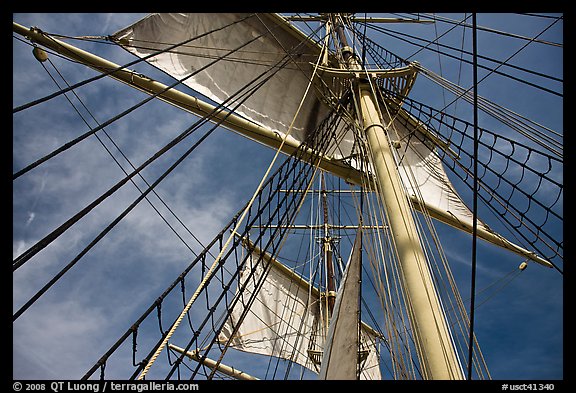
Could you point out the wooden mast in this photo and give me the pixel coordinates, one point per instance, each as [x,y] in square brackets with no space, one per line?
[432,335]
[327,248]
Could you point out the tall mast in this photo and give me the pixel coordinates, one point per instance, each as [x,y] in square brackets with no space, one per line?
[327,248]
[432,336]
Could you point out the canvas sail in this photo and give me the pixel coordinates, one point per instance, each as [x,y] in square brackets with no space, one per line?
[287,319]
[422,172]
[274,105]
[342,353]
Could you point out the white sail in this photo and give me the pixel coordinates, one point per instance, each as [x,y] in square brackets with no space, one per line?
[287,319]
[275,104]
[342,355]
[422,172]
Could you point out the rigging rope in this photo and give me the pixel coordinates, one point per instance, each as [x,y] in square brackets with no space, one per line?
[127,160]
[498,182]
[53,235]
[459,50]
[520,123]
[274,182]
[531,130]
[240,220]
[504,33]
[534,177]
[295,160]
[120,68]
[491,70]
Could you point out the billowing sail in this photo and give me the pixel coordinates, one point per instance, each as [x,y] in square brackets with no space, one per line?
[223,64]
[226,55]
[422,172]
[287,319]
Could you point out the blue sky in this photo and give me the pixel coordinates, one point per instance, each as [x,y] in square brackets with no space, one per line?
[520,329]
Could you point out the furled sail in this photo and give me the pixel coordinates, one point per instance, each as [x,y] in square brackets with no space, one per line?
[226,53]
[287,319]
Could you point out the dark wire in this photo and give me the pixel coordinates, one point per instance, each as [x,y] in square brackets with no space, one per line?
[120,68]
[475,196]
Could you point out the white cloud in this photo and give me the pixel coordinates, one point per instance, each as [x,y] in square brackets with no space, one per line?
[56,338]
[19,247]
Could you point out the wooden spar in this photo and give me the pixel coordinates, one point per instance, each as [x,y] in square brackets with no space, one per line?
[251,130]
[231,371]
[188,103]
[434,343]
[331,226]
